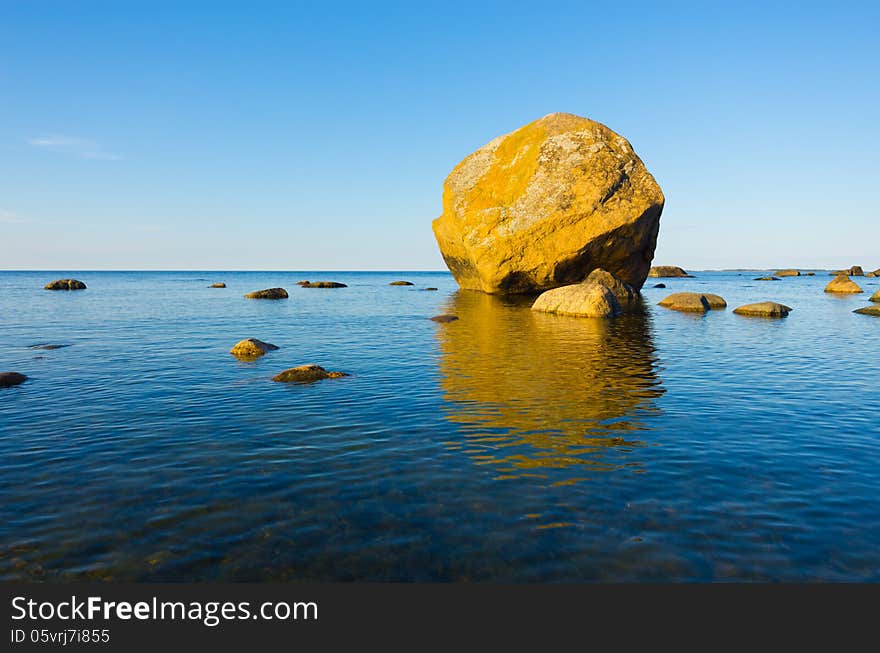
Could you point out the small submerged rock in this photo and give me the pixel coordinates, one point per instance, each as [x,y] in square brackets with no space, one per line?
[811,274]
[268,293]
[306,374]
[428,289]
[65,284]
[659,285]
[766,278]
[47,346]
[9,379]
[401,283]
[251,348]
[587,299]
[321,284]
[444,318]
[667,271]
[763,309]
[843,285]
[788,273]
[693,302]
[217,285]
[869,310]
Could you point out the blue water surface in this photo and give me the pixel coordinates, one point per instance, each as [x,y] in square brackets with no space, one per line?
[506,446]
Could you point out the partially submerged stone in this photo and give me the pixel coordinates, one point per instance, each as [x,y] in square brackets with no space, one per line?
[9,379]
[217,285]
[587,299]
[869,310]
[65,284]
[306,374]
[401,283]
[763,309]
[251,348]
[268,293]
[875,297]
[766,279]
[667,271]
[659,285]
[788,273]
[693,302]
[47,346]
[626,295]
[322,284]
[545,205]
[843,285]
[429,289]
[444,318]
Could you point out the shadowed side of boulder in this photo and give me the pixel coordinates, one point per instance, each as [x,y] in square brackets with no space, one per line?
[9,379]
[306,374]
[268,293]
[667,271]
[763,309]
[843,285]
[65,284]
[587,299]
[627,296]
[251,348]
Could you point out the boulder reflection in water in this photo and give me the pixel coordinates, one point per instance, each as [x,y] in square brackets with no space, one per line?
[533,390]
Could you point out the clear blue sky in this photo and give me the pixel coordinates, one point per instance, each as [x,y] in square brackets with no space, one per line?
[279,135]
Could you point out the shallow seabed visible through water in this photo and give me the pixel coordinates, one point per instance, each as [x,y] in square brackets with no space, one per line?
[505,446]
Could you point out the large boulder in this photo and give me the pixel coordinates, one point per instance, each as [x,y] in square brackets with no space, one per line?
[545,205]
[588,299]
[65,284]
[693,302]
[268,293]
[842,284]
[667,271]
[763,309]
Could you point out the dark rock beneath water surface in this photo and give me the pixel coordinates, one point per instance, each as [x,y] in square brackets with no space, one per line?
[65,284]
[47,346]
[659,285]
[444,318]
[321,284]
[429,289]
[268,293]
[766,279]
[306,374]
[9,379]
[401,283]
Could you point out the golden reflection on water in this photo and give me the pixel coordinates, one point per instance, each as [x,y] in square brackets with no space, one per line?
[533,391]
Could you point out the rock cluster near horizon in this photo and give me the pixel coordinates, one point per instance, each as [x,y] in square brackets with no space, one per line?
[667,271]
[547,204]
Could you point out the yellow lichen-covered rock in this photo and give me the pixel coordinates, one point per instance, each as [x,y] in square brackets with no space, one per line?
[876,296]
[545,205]
[663,271]
[842,284]
[763,309]
[251,348]
[588,299]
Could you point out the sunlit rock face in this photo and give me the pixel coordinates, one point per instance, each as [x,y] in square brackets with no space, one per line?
[545,205]
[532,390]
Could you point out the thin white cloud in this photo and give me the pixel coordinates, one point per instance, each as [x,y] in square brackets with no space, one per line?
[81,147]
[10,217]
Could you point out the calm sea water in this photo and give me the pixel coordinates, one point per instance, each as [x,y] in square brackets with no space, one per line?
[506,446]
